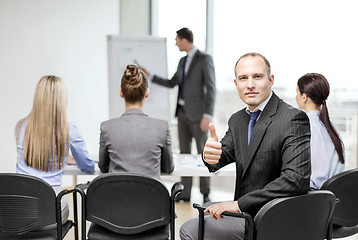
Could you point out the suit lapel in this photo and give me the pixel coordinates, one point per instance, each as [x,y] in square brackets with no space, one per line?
[243,135]
[260,130]
[181,69]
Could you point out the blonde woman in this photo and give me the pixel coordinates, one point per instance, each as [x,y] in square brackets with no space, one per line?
[45,136]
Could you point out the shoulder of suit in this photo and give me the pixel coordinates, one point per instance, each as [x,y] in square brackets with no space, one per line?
[239,114]
[288,106]
[277,103]
[159,122]
[201,54]
[109,122]
[291,112]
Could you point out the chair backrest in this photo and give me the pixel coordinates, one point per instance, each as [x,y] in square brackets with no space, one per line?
[345,186]
[300,217]
[26,203]
[127,203]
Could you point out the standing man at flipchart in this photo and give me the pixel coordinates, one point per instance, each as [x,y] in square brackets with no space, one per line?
[195,77]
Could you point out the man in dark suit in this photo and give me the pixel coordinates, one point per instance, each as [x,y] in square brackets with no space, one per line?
[195,77]
[269,142]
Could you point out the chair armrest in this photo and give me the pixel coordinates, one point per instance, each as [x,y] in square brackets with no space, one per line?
[249,223]
[82,186]
[58,200]
[176,189]
[231,214]
[58,210]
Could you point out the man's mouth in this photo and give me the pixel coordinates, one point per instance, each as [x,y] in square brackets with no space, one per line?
[251,94]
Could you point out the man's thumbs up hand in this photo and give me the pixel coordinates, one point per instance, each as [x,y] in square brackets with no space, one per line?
[212,149]
[212,130]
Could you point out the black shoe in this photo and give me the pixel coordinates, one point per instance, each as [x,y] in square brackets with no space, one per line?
[206,198]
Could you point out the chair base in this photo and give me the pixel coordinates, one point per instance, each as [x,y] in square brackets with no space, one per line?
[97,232]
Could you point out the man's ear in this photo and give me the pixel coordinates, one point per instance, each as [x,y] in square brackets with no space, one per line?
[271,80]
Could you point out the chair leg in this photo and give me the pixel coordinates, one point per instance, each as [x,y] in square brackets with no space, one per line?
[330,231]
[172,220]
[201,226]
[75,214]
[58,216]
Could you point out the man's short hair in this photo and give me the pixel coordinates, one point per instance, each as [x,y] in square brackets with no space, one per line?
[186,33]
[254,54]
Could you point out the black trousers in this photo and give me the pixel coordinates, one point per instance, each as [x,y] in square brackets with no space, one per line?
[188,130]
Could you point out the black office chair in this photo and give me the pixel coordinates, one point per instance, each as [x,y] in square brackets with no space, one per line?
[296,218]
[128,206]
[345,216]
[29,209]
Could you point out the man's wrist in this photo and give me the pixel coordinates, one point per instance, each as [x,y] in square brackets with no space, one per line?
[238,206]
[208,116]
[150,77]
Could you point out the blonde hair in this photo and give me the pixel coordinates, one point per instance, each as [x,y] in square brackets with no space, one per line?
[46,133]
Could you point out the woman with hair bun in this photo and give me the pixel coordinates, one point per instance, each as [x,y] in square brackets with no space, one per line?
[327,151]
[135,142]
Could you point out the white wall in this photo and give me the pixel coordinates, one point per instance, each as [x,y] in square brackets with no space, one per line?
[62,37]
[135,17]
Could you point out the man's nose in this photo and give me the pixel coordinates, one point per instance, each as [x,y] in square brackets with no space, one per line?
[250,83]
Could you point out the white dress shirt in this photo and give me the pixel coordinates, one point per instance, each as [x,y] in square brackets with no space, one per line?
[324,158]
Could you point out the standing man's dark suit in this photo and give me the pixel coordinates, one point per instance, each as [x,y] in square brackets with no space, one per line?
[273,163]
[199,87]
[196,99]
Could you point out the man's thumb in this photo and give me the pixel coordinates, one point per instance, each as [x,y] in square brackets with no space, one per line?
[212,131]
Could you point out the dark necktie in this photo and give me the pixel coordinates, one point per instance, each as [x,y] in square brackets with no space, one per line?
[252,122]
[181,87]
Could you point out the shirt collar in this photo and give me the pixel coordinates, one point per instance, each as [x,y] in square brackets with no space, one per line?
[192,52]
[134,111]
[260,107]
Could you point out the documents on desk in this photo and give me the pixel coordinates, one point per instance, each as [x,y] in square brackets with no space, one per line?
[192,165]
[185,165]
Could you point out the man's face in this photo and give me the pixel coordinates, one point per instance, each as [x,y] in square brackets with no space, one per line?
[180,43]
[252,82]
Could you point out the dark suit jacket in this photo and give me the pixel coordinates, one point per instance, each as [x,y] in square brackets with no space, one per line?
[276,163]
[136,143]
[199,86]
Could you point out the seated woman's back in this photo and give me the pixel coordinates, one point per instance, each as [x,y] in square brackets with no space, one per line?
[327,152]
[55,174]
[135,142]
[44,137]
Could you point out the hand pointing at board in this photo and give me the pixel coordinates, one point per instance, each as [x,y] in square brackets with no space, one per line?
[144,70]
[212,148]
